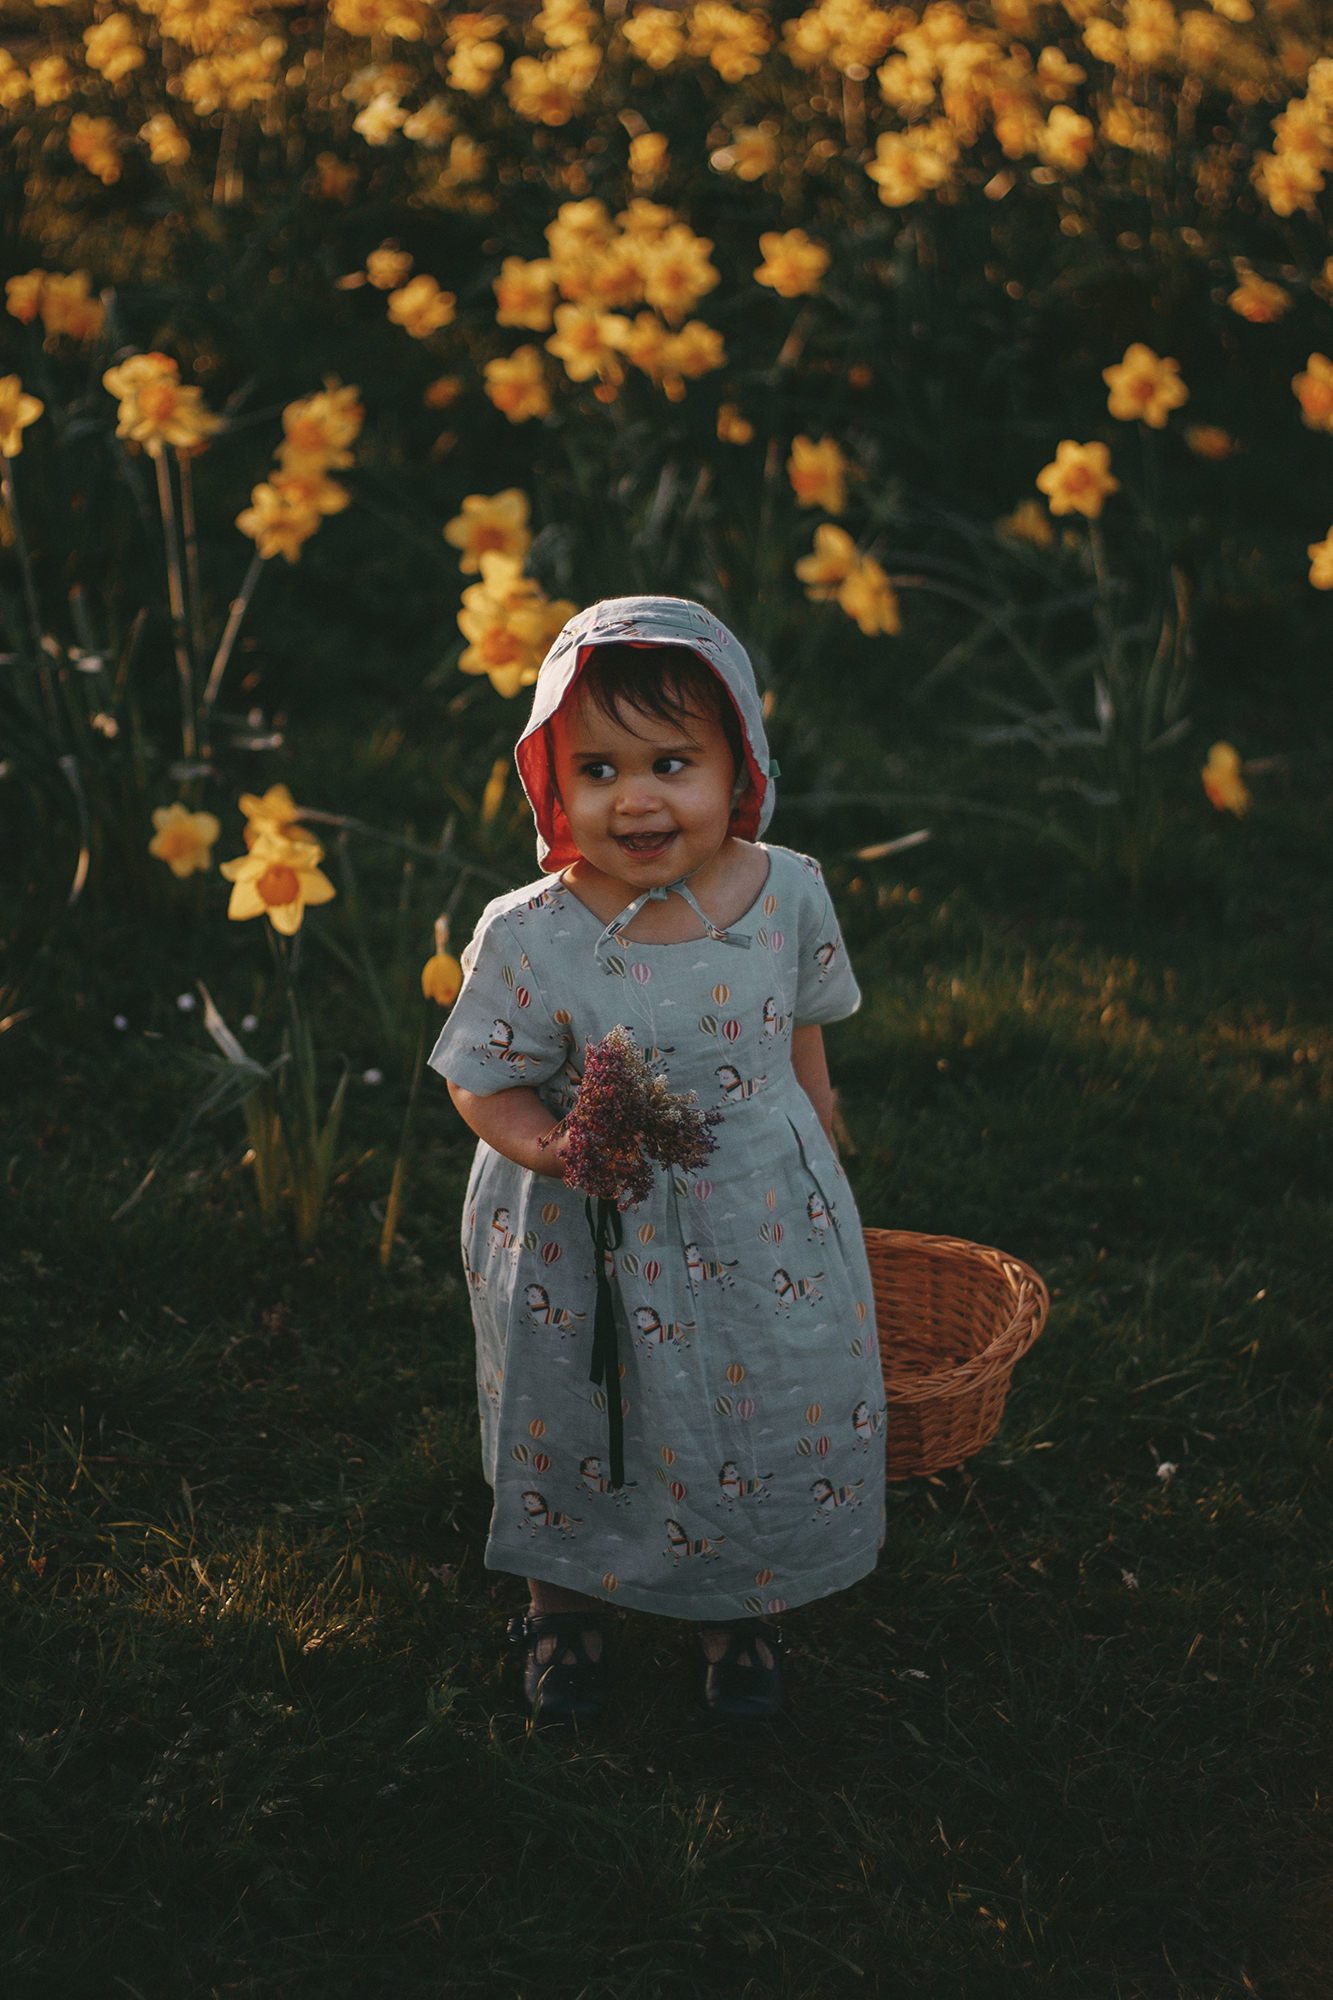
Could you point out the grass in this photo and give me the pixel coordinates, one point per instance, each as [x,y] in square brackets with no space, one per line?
[262,1734]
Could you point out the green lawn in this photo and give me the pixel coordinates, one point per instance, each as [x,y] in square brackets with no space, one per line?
[262,1731]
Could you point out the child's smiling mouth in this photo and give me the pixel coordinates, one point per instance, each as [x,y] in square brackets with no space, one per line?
[645,846]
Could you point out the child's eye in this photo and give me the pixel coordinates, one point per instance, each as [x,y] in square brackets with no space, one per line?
[667,767]
[598,769]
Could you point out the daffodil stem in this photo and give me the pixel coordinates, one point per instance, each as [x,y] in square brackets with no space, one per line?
[239,606]
[393,1206]
[191,554]
[29,584]
[176,599]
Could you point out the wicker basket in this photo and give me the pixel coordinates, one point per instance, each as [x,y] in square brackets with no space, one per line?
[953,1318]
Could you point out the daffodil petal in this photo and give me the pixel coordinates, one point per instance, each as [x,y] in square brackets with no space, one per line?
[316,886]
[246,901]
[286,917]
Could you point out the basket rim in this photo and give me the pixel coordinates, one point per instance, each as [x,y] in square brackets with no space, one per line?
[1031,1306]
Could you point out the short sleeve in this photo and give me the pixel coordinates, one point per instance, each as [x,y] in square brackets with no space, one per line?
[499,1033]
[826,988]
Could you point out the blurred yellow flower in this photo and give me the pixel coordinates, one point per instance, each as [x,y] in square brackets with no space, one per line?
[15,83]
[732,427]
[318,429]
[272,811]
[421,307]
[23,295]
[490,522]
[1144,387]
[1105,41]
[1066,139]
[334,178]
[582,229]
[818,474]
[95,144]
[1313,389]
[1321,562]
[563,23]
[516,384]
[1151,31]
[676,271]
[443,391]
[750,153]
[509,624]
[846,33]
[549,91]
[867,596]
[277,879]
[156,410]
[1222,781]
[493,797]
[1029,522]
[648,158]
[184,839]
[696,350]
[735,42]
[278,523]
[442,975]
[112,47]
[406,19]
[387,267]
[381,118]
[473,65]
[1056,75]
[525,293]
[831,563]
[792,263]
[1209,441]
[655,35]
[430,126]
[63,301]
[909,164]
[580,342]
[1079,479]
[52,80]
[1258,301]
[167,144]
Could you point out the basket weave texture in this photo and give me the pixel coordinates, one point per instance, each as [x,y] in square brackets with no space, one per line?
[953,1318]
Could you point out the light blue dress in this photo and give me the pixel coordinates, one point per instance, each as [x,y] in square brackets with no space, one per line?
[750,1381]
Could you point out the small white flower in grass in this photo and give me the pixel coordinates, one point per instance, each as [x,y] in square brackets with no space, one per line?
[249,1023]
[1128,1578]
[185,1001]
[373,1076]
[1166,1470]
[120,1022]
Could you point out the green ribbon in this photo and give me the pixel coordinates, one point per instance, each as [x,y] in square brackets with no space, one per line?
[607,1236]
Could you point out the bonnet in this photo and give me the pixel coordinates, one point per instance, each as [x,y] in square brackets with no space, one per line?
[640,621]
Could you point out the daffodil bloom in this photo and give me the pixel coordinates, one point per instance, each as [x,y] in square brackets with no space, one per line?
[421,307]
[167,144]
[562,24]
[495,521]
[867,596]
[509,624]
[442,979]
[270,812]
[818,474]
[1258,301]
[732,427]
[792,263]
[113,48]
[52,82]
[676,271]
[516,384]
[387,267]
[23,296]
[493,797]
[734,42]
[95,144]
[380,119]
[1222,781]
[1209,441]
[1321,562]
[277,879]
[1066,139]
[830,564]
[443,391]
[525,293]
[17,411]
[648,155]
[1029,522]
[1079,479]
[319,428]
[156,409]
[183,839]
[1144,387]
[430,126]
[277,524]
[750,153]
[580,342]
[1313,389]
[15,83]
[655,35]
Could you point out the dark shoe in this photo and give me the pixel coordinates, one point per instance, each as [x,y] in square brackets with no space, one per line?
[740,1687]
[561,1680]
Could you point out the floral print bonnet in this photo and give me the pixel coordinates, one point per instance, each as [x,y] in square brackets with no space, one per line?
[643,621]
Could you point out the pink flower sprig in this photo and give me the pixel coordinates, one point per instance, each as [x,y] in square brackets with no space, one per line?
[626,1118]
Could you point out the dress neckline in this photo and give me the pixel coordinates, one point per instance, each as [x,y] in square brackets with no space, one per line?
[670,944]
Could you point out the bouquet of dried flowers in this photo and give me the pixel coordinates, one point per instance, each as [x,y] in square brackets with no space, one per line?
[624,1121]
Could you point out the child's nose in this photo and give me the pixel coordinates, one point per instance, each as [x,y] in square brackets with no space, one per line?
[639,794]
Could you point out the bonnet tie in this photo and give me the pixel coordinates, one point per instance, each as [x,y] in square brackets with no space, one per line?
[615,930]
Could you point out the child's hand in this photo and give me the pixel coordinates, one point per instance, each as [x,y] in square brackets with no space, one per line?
[517,1124]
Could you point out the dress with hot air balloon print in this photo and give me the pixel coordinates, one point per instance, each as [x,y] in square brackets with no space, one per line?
[750,1383]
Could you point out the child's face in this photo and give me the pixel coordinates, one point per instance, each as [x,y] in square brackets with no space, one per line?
[645,805]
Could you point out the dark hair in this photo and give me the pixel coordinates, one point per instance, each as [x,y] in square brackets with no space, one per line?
[668,683]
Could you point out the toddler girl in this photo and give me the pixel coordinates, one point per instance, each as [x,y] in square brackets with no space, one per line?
[750,1384]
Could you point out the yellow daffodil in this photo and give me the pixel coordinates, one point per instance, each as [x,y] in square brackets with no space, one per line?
[1222,781]
[676,271]
[493,797]
[15,83]
[1079,479]
[112,47]
[278,522]
[909,164]
[442,392]
[334,178]
[525,293]
[1313,389]
[67,307]
[23,295]
[17,411]
[1258,301]
[562,24]
[833,559]
[732,427]
[474,64]
[549,90]
[184,839]
[406,19]
[656,36]
[1066,139]
[167,144]
[818,474]
[490,522]
[421,307]
[509,624]
[277,879]
[95,144]
[381,118]
[1029,522]
[273,811]
[750,153]
[867,596]
[792,263]
[735,42]
[516,384]
[580,342]
[387,267]
[156,409]
[1209,441]
[696,350]
[318,429]
[52,82]
[648,156]
[430,126]
[1144,387]
[1321,562]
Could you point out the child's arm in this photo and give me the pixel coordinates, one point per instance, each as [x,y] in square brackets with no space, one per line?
[515,1122]
[811,1067]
